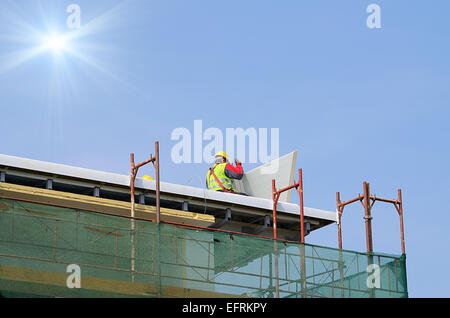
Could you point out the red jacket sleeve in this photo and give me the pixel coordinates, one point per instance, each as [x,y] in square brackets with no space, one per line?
[234,172]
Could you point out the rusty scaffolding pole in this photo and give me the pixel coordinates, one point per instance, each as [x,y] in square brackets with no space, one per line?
[368,201]
[398,204]
[134,170]
[275,197]
[133,174]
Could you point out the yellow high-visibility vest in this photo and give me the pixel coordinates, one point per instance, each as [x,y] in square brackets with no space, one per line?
[219,171]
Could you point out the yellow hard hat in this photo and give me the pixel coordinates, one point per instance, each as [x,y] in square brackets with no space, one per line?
[221,154]
[147,177]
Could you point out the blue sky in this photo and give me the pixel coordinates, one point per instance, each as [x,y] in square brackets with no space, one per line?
[358,104]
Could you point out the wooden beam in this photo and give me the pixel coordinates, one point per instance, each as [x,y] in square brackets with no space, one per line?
[99,205]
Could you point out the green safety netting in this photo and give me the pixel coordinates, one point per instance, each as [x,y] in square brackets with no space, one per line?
[38,242]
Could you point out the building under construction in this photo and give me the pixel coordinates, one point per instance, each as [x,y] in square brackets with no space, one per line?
[133,237]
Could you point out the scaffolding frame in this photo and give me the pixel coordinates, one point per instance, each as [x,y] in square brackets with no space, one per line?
[368,201]
[133,173]
[60,246]
[275,197]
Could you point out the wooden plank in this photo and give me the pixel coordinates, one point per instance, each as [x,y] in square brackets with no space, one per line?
[100,205]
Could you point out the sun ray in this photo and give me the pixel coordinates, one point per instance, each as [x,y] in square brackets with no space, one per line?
[17,58]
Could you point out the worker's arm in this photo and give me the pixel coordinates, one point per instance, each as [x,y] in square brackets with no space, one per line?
[234,172]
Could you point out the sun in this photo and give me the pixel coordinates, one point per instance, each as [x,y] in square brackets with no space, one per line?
[61,43]
[56,43]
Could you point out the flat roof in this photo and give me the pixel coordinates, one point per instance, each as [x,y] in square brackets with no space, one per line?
[17,165]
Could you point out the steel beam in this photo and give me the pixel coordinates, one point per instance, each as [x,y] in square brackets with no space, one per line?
[49,184]
[141,198]
[226,219]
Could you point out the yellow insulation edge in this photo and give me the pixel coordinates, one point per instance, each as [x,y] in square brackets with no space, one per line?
[101,205]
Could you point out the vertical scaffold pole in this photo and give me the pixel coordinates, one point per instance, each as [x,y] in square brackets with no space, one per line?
[302,232]
[274,212]
[302,217]
[275,197]
[368,217]
[400,212]
[368,221]
[133,173]
[133,225]
[157,182]
[340,210]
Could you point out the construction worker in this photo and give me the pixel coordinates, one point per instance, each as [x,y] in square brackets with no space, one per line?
[220,176]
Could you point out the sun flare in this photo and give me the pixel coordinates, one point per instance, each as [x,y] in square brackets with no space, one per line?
[55,43]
